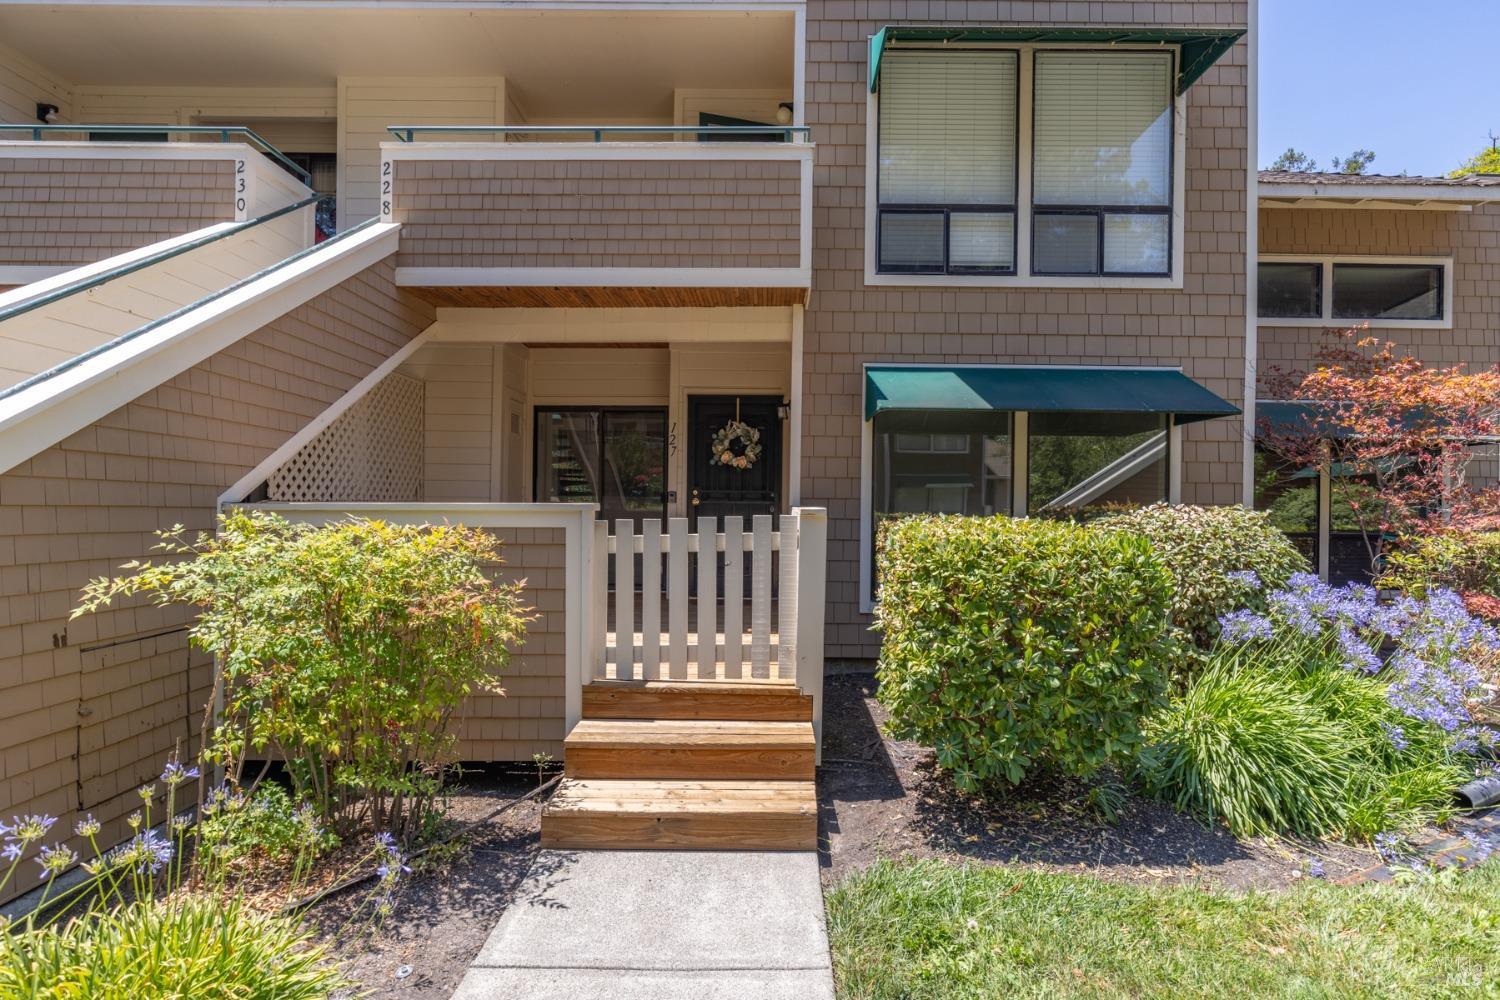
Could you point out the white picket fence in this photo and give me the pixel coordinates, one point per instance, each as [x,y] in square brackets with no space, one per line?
[766,634]
[779,640]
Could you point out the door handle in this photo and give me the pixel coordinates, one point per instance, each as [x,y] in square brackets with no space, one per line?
[695,500]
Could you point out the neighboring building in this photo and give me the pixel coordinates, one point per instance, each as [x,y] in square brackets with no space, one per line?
[979,257]
[1412,260]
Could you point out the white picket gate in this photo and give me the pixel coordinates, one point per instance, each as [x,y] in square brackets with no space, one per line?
[772,633]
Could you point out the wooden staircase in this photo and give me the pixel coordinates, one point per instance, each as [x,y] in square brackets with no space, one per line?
[683,765]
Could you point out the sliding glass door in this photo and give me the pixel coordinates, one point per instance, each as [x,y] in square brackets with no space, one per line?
[615,458]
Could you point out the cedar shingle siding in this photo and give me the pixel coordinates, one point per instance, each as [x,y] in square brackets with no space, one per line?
[570,213]
[1201,327]
[71,211]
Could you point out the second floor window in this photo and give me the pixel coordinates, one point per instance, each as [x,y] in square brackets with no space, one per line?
[948,163]
[1102,173]
[953,135]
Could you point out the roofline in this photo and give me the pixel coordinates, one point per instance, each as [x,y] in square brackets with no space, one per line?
[1355,192]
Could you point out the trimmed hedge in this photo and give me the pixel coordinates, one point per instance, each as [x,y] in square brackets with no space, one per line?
[1203,547]
[1018,645]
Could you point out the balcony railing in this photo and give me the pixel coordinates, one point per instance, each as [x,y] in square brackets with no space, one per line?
[224,133]
[785,133]
[615,221]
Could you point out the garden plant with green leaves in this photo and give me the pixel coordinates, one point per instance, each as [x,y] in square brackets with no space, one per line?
[1300,725]
[1014,647]
[151,918]
[344,650]
[1209,551]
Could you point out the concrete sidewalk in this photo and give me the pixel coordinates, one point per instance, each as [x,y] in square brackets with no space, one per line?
[659,925]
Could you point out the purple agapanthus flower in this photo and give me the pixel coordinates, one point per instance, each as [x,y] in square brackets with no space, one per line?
[175,774]
[147,852]
[1245,626]
[1397,736]
[1431,673]
[1388,846]
[1245,578]
[56,859]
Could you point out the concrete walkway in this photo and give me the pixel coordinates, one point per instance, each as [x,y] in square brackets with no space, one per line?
[659,925]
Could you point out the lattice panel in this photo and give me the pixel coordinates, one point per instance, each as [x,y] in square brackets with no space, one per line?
[371,452]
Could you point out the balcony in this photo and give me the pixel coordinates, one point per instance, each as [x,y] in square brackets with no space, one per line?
[639,216]
[77,194]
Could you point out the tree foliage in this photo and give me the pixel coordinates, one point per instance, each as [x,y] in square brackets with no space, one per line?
[1486,161]
[1296,161]
[1396,436]
[344,649]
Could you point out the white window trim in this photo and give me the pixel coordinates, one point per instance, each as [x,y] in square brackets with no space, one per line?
[1023,278]
[1329,320]
[1020,463]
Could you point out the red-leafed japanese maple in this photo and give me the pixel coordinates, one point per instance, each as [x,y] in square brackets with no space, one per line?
[1398,437]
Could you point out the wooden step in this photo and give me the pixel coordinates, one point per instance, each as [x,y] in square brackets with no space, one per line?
[743,701]
[713,815]
[686,750]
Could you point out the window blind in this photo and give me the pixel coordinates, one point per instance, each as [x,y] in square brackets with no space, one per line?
[948,128]
[1103,131]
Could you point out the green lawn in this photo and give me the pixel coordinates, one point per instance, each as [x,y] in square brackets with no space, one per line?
[932,929]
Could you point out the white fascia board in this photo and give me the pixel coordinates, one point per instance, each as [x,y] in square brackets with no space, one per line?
[604,277]
[83,150]
[1437,194]
[48,412]
[473,515]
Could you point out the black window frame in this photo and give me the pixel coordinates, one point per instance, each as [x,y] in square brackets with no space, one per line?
[1100,211]
[538,409]
[1375,265]
[947,209]
[1317,268]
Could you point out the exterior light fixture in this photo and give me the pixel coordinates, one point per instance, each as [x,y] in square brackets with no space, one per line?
[784,113]
[47,114]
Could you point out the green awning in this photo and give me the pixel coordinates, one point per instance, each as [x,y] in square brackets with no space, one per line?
[1282,417]
[1201,47]
[1295,417]
[1070,388]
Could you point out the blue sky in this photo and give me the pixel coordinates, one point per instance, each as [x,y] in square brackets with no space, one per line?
[1414,81]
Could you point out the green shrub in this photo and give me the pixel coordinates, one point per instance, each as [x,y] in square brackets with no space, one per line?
[345,650]
[207,949]
[239,835]
[1467,562]
[1017,645]
[1280,737]
[1404,773]
[1248,747]
[1208,551]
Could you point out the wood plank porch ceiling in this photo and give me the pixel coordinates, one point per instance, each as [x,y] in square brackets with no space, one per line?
[563,297]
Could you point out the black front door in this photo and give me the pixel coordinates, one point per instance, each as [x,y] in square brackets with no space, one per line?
[717,488]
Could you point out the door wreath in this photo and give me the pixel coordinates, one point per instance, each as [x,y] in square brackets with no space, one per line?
[736,445]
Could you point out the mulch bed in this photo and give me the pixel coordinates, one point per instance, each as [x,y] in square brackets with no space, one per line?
[446,909]
[883,798]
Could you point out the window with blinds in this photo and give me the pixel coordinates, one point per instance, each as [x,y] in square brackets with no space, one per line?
[1102,163]
[947,172]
